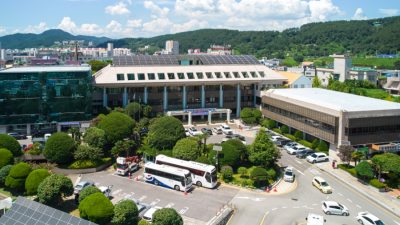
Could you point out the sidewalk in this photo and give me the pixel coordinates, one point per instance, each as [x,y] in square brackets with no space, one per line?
[384,199]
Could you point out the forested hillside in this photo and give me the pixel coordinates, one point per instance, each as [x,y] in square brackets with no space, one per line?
[314,39]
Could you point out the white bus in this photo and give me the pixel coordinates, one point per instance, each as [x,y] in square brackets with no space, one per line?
[202,174]
[168,176]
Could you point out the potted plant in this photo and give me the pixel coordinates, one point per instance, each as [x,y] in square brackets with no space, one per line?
[226,121]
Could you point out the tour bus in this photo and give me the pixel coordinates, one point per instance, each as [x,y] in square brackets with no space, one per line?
[202,174]
[168,176]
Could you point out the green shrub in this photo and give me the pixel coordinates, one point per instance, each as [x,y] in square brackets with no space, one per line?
[125,213]
[202,159]
[115,166]
[247,115]
[376,183]
[34,179]
[87,163]
[257,113]
[53,188]
[271,124]
[11,144]
[17,176]
[96,208]
[133,109]
[315,144]
[166,216]
[186,149]
[259,174]
[95,137]
[305,143]
[291,137]
[117,126]
[168,153]
[239,145]
[165,133]
[6,158]
[227,172]
[364,169]
[4,173]
[87,192]
[230,152]
[323,147]
[353,172]
[277,130]
[244,183]
[242,171]
[299,135]
[59,148]
[143,222]
[144,121]
[284,129]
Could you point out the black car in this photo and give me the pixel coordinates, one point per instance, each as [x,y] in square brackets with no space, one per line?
[303,154]
[23,147]
[281,142]
[237,136]
[17,136]
[206,130]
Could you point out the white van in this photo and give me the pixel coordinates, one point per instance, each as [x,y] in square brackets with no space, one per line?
[314,219]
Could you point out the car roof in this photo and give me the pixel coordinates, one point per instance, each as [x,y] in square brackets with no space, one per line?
[84,182]
[319,178]
[151,211]
[331,203]
[369,215]
[320,153]
[312,218]
[206,128]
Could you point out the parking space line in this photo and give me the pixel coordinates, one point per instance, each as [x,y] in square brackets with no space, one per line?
[349,200]
[358,206]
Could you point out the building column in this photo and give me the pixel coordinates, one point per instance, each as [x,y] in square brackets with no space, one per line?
[125,100]
[255,95]
[238,101]
[104,97]
[221,99]
[165,98]
[184,101]
[58,128]
[145,95]
[209,117]
[28,129]
[190,119]
[342,125]
[304,135]
[203,97]
[183,117]
[290,130]
[228,115]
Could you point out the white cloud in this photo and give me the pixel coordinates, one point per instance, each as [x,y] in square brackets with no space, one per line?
[191,25]
[36,29]
[157,26]
[359,15]
[68,25]
[134,23]
[129,1]
[114,26]
[155,9]
[389,12]
[153,16]
[118,9]
[90,29]
[3,32]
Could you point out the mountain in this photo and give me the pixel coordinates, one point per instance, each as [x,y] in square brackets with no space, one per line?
[46,39]
[360,37]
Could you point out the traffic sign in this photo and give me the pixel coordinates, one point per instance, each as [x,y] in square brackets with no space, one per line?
[217,148]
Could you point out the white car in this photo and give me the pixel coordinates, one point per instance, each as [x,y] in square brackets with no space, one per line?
[368,219]
[289,176]
[226,129]
[193,131]
[275,137]
[106,191]
[317,157]
[314,219]
[187,133]
[149,214]
[290,145]
[217,130]
[331,207]
[294,150]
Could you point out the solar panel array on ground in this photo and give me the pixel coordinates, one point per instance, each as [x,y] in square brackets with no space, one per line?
[145,60]
[228,59]
[25,211]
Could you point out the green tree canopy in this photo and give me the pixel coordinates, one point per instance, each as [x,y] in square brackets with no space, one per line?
[97,65]
[386,162]
[166,216]
[242,171]
[104,110]
[11,144]
[143,222]
[96,208]
[315,144]
[259,174]
[186,149]
[239,145]
[262,151]
[34,179]
[4,173]
[316,82]
[133,109]
[53,188]
[202,159]
[125,213]
[118,109]
[364,169]
[230,155]
[6,158]
[299,135]
[271,124]
[165,133]
[117,126]
[257,113]
[357,156]
[17,176]
[59,148]
[285,129]
[95,137]
[87,192]
[323,146]
[247,115]
[88,152]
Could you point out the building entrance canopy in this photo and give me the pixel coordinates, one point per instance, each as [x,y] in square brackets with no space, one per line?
[199,112]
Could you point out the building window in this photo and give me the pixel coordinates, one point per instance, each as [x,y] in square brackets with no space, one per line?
[141,76]
[151,76]
[295,86]
[253,74]
[218,75]
[114,103]
[227,75]
[262,74]
[181,76]
[209,75]
[336,76]
[323,80]
[190,75]
[371,78]
[161,76]
[131,76]
[120,77]
[171,76]
[302,86]
[199,75]
[245,75]
[230,99]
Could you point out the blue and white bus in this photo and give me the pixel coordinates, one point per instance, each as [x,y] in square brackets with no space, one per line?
[168,176]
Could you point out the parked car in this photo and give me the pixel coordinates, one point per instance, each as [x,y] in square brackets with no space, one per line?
[187,133]
[368,219]
[275,137]
[106,191]
[226,129]
[331,207]
[23,147]
[149,214]
[132,199]
[238,136]
[217,130]
[145,131]
[289,176]
[193,131]
[294,150]
[281,143]
[317,157]
[81,185]
[322,185]
[269,132]
[17,136]
[142,209]
[206,130]
[314,219]
[226,138]
[303,154]
[290,145]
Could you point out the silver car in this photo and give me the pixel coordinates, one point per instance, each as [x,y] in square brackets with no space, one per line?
[217,130]
[83,184]
[142,209]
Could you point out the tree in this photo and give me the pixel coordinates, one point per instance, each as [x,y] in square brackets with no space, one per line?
[147,110]
[95,137]
[133,110]
[166,216]
[118,109]
[126,213]
[88,152]
[323,146]
[6,158]
[271,173]
[17,176]
[144,121]
[122,146]
[315,144]
[59,148]
[186,149]
[298,135]
[242,171]
[257,114]
[240,147]
[53,188]
[230,155]
[105,110]
[259,174]
[34,179]
[262,151]
[165,133]
[285,129]
[97,65]
[202,159]
[73,132]
[96,121]
[116,126]
[204,137]
[227,172]
[87,192]
[397,65]
[386,162]
[247,115]
[364,169]
[143,222]
[299,58]
[4,173]
[345,152]
[11,144]
[316,82]
[379,161]
[271,124]
[96,208]
[357,156]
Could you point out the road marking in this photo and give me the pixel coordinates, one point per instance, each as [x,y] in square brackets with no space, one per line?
[266,213]
[96,184]
[349,200]
[284,207]
[358,206]
[183,210]
[296,207]
[262,221]
[169,205]
[155,202]
[299,162]
[396,222]
[243,197]
[141,198]
[301,168]
[258,199]
[274,208]
[340,194]
[327,197]
[117,191]
[300,171]
[314,171]
[315,204]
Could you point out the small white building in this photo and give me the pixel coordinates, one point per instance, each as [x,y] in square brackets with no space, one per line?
[296,80]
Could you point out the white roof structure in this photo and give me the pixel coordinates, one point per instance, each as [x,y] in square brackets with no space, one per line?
[191,164]
[36,69]
[335,100]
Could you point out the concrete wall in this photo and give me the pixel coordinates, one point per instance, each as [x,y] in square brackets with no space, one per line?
[80,171]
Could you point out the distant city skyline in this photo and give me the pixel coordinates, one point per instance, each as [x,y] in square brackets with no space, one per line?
[130,18]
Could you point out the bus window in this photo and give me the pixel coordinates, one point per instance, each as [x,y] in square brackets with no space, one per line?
[160,173]
[208,177]
[169,176]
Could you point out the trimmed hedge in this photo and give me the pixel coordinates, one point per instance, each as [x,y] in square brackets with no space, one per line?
[305,143]
[125,213]
[6,158]
[96,208]
[87,192]
[376,183]
[34,179]
[4,173]
[86,163]
[17,176]
[59,148]
[11,144]
[277,130]
[291,137]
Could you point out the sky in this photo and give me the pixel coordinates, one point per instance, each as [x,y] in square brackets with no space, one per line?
[133,18]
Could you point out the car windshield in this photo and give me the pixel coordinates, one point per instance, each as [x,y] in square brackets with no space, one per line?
[288,173]
[324,184]
[378,222]
[295,148]
[194,129]
[78,186]
[303,152]
[227,128]
[314,155]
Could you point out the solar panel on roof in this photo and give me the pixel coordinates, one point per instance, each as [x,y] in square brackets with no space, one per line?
[228,59]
